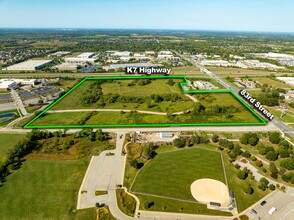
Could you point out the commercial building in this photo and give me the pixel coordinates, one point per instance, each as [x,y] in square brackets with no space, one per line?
[30,65]
[82,58]
[287,80]
[166,135]
[216,63]
[59,54]
[125,65]
[6,84]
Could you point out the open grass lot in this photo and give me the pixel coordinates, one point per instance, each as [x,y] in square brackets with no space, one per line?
[7,141]
[44,190]
[75,99]
[223,71]
[272,82]
[287,118]
[170,205]
[186,70]
[172,173]
[183,106]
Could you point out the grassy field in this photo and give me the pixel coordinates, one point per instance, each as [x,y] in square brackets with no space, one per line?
[75,100]
[272,82]
[186,70]
[223,71]
[170,205]
[44,190]
[167,175]
[7,141]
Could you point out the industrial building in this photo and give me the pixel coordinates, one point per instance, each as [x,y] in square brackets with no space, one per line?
[30,65]
[125,65]
[287,80]
[6,84]
[82,58]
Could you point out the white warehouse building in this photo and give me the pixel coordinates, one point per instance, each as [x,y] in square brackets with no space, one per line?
[29,65]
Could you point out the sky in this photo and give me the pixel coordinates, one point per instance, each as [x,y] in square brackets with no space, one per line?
[229,15]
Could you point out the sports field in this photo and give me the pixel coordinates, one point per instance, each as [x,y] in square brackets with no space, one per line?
[171,174]
[142,101]
[44,190]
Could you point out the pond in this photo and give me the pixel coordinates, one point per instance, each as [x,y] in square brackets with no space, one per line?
[7,115]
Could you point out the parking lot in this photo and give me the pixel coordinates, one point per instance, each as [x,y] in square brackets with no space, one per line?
[283,202]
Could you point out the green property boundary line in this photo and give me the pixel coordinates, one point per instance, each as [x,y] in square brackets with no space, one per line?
[182,84]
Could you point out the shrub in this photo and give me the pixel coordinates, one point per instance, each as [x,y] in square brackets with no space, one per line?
[272,187]
[288,163]
[248,189]
[242,175]
[258,163]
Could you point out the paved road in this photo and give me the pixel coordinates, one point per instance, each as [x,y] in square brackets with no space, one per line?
[18,102]
[282,127]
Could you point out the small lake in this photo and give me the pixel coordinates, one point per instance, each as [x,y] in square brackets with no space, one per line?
[7,115]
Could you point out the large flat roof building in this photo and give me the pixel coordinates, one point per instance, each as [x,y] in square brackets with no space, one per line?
[6,84]
[82,58]
[29,65]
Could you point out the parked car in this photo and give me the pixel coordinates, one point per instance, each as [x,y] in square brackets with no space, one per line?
[263,203]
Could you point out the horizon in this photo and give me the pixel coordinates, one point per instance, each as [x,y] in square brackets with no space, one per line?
[269,16]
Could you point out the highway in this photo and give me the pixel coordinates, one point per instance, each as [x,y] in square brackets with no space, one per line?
[276,122]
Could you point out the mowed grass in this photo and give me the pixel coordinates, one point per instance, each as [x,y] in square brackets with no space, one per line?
[172,173]
[170,205]
[241,72]
[7,141]
[44,190]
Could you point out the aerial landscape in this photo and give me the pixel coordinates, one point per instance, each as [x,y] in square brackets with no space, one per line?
[161,110]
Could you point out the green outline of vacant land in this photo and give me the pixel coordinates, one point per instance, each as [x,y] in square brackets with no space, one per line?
[182,84]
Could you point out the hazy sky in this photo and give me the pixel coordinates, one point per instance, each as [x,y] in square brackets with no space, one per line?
[239,15]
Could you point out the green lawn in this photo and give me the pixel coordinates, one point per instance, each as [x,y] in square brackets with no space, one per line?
[7,141]
[170,205]
[44,190]
[172,173]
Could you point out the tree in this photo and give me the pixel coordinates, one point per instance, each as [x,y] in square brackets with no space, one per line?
[288,163]
[242,175]
[272,155]
[249,138]
[273,168]
[263,184]
[272,187]
[274,137]
[179,142]
[284,154]
[149,151]
[248,189]
[215,138]
[246,154]
[258,163]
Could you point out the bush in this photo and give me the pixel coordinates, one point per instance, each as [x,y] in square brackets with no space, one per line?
[272,155]
[244,217]
[253,158]
[248,189]
[179,142]
[258,163]
[272,187]
[215,138]
[242,175]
